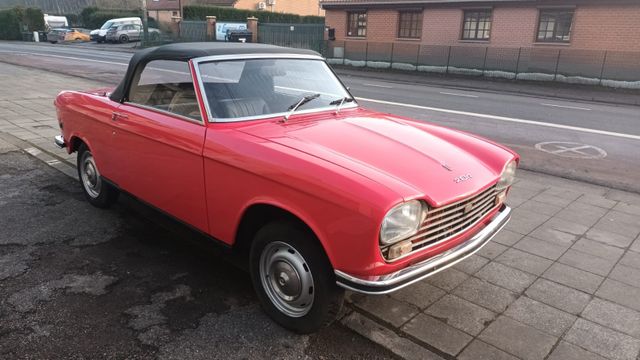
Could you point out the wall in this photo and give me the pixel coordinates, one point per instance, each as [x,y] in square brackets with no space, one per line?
[595,27]
[300,7]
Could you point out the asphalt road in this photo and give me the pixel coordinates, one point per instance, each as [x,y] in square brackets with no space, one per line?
[588,141]
[78,282]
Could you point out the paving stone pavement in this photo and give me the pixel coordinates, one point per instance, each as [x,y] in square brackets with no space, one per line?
[561,281]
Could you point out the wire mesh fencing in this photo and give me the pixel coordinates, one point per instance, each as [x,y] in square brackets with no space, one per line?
[592,67]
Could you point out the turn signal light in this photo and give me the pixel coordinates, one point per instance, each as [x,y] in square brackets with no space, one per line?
[500,198]
[399,249]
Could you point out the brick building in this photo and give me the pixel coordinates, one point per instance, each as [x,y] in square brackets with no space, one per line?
[164,10]
[571,24]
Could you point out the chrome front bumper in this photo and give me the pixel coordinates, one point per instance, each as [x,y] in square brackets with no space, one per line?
[59,141]
[385,284]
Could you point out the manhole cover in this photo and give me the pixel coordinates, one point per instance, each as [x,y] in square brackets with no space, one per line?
[571,150]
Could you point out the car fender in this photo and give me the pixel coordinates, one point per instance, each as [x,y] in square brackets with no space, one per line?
[294,210]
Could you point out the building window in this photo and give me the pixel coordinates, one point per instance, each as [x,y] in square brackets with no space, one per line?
[410,24]
[357,23]
[555,25]
[477,25]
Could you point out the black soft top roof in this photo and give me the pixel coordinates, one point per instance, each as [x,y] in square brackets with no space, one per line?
[188,51]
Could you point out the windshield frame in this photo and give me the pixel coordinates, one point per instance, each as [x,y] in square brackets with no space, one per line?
[205,59]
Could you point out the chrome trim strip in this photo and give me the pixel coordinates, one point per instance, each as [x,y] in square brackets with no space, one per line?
[385,284]
[197,61]
[165,112]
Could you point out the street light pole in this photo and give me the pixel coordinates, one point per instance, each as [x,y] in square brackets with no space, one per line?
[145,22]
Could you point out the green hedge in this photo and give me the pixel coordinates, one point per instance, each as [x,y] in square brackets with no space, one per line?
[200,12]
[93,17]
[16,20]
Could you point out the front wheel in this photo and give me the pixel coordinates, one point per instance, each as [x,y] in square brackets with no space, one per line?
[124,39]
[293,278]
[96,191]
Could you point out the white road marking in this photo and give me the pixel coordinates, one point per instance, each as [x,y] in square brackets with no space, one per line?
[457,94]
[566,107]
[33,151]
[571,149]
[380,86]
[506,119]
[53,162]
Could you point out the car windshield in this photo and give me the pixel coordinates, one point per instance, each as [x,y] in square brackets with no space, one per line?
[106,25]
[250,89]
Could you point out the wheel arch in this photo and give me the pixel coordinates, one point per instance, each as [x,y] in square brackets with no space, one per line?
[257,215]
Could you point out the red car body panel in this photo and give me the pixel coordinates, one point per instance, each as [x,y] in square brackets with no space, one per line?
[338,173]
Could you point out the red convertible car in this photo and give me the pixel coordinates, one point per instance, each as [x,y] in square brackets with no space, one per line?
[264,150]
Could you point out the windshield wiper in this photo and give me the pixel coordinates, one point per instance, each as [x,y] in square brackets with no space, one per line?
[341,102]
[301,102]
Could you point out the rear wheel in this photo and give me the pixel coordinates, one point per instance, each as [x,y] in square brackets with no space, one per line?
[293,278]
[96,191]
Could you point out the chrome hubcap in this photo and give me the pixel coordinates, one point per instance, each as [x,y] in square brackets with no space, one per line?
[287,279]
[89,175]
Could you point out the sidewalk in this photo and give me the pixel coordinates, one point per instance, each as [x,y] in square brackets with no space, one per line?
[561,281]
[541,89]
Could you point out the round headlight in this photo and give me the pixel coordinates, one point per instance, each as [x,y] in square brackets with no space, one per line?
[401,221]
[508,176]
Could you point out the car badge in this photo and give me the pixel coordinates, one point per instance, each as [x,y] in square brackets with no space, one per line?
[444,165]
[467,208]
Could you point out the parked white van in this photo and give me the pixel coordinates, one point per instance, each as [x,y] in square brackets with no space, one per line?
[99,35]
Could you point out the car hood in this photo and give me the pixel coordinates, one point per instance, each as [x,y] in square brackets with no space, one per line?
[412,158]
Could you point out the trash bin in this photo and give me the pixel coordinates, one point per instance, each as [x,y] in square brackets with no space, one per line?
[27,36]
[239,36]
[43,36]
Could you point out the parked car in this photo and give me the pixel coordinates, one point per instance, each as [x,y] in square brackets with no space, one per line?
[60,35]
[124,33]
[99,35]
[263,150]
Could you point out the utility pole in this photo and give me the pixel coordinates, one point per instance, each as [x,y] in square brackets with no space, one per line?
[145,22]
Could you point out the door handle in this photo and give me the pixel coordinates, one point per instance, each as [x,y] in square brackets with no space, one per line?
[116,115]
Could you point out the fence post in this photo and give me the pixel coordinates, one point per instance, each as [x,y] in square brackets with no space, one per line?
[446,71]
[418,56]
[391,60]
[344,52]
[555,74]
[211,28]
[604,61]
[175,26]
[484,63]
[366,53]
[518,63]
[252,25]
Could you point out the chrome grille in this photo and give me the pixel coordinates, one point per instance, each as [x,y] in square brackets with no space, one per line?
[450,220]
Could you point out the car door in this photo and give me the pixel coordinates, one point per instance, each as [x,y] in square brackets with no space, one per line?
[135,32]
[158,139]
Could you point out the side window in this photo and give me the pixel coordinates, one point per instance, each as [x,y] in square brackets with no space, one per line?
[166,85]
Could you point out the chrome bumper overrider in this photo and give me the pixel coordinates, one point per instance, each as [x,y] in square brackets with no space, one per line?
[384,284]
[59,141]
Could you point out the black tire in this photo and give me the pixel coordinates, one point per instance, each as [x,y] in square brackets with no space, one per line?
[327,298]
[99,41]
[101,195]
[123,39]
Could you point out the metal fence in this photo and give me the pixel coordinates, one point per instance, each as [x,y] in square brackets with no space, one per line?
[608,68]
[304,36]
[193,30]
